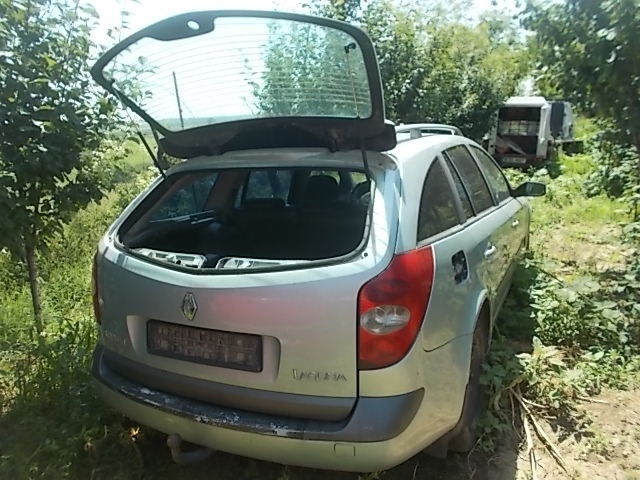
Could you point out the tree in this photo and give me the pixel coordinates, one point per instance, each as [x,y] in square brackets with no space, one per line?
[53,125]
[433,66]
[308,70]
[400,46]
[589,51]
[345,10]
[436,68]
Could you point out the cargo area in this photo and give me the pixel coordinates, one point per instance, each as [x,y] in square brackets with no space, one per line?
[518,130]
[244,218]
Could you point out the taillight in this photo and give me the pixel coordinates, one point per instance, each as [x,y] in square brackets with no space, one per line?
[391,309]
[94,289]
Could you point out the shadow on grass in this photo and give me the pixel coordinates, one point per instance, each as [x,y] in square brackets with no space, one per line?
[553,165]
[223,466]
[516,321]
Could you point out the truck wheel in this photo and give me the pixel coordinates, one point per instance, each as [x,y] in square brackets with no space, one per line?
[551,153]
[473,406]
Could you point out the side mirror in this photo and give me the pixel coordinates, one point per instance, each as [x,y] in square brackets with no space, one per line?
[530,189]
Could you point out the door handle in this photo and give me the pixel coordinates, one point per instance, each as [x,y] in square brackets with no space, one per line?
[490,251]
[515,223]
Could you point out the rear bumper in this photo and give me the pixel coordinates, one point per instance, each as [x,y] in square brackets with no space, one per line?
[369,439]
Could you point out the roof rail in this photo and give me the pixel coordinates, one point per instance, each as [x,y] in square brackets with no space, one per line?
[417,130]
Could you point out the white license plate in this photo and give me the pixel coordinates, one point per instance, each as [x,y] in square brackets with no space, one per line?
[514,160]
[240,351]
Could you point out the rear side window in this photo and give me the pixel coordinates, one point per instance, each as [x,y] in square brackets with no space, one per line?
[471,177]
[493,175]
[437,206]
[187,200]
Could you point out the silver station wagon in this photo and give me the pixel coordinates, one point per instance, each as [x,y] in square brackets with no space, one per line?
[308,286]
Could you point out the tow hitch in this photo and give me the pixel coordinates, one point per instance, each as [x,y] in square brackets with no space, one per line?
[174,442]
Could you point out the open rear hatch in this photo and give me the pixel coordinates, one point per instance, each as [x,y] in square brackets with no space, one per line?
[195,298]
[214,81]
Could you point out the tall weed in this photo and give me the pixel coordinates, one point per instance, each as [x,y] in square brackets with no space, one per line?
[51,420]
[564,334]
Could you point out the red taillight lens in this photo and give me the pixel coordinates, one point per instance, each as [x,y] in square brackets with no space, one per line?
[391,308]
[94,289]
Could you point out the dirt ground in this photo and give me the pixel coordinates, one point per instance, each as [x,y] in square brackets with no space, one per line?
[606,448]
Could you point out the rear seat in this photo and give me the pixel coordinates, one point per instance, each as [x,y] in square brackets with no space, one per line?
[318,226]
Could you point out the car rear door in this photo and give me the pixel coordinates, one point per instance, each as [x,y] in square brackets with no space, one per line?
[515,226]
[444,223]
[493,228]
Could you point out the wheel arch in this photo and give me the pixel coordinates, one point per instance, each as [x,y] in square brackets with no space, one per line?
[484,315]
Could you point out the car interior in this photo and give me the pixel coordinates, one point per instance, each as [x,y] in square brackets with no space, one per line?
[279,214]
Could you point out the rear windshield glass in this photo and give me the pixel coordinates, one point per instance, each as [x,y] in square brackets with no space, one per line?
[244,68]
[251,218]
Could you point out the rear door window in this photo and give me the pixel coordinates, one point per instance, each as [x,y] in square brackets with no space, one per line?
[471,176]
[493,174]
[467,208]
[438,205]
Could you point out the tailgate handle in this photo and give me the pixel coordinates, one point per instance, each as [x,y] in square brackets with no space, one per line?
[515,223]
[490,251]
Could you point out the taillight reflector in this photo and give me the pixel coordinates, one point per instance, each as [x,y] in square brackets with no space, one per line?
[391,308]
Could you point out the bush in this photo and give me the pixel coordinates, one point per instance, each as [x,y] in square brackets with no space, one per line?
[53,423]
[617,165]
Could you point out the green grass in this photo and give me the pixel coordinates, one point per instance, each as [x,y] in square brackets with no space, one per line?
[569,226]
[50,416]
[137,157]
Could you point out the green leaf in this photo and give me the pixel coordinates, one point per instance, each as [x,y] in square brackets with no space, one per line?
[610,314]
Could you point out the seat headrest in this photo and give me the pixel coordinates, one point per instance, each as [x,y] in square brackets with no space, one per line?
[321,189]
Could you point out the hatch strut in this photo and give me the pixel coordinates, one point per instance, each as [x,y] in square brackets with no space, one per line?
[365,160]
[154,158]
[347,48]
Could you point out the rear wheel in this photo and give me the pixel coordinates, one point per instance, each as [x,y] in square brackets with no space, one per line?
[467,434]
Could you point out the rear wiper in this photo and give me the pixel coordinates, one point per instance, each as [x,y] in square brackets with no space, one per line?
[191,217]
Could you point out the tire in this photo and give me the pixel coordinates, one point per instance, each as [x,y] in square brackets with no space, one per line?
[466,434]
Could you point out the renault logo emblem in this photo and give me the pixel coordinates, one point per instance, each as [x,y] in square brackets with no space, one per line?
[189,306]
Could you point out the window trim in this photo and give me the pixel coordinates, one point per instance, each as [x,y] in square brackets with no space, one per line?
[482,174]
[476,216]
[471,148]
[451,170]
[475,161]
